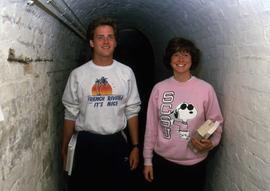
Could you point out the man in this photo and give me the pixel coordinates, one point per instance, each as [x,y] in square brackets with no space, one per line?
[100,99]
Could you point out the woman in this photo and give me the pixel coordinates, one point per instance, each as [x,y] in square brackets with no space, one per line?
[177,107]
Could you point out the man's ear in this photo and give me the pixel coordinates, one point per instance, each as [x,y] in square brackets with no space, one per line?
[91,44]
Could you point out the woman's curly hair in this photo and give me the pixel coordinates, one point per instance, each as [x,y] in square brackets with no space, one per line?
[178,44]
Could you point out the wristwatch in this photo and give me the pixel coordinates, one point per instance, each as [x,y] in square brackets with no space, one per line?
[135,145]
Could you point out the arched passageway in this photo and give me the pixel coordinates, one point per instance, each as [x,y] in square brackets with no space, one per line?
[37,53]
[135,50]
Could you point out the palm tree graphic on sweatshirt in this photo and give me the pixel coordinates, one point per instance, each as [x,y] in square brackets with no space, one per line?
[101,87]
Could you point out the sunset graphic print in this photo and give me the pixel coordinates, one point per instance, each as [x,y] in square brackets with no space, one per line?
[101,87]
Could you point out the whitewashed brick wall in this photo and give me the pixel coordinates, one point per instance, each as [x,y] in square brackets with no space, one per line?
[236,61]
[30,96]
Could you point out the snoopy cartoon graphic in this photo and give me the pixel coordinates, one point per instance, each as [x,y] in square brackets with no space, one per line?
[180,116]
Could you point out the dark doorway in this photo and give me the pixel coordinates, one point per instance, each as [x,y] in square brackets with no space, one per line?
[135,50]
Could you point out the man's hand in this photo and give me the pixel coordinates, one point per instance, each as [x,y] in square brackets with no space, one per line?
[134,158]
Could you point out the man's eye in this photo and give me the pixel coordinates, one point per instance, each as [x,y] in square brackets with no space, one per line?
[110,37]
[100,37]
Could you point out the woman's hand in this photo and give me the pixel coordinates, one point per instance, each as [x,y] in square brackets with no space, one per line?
[148,173]
[202,145]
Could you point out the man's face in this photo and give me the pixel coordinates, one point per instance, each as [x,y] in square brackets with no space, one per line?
[103,42]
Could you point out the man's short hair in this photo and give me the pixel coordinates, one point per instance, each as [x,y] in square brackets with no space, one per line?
[100,22]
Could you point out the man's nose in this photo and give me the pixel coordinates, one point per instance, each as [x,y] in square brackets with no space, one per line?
[106,39]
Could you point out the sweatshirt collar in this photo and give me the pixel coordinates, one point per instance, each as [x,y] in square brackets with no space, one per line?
[91,64]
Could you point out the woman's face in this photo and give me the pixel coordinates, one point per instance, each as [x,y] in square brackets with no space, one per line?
[181,62]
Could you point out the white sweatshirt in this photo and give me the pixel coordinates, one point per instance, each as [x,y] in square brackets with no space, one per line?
[101,98]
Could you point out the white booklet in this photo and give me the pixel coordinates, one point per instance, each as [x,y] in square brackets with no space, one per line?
[208,128]
[204,132]
[71,152]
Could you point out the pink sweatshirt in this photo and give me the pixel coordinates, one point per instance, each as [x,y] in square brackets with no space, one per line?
[175,111]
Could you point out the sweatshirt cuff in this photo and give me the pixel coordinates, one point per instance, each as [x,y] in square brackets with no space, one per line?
[69,116]
[132,110]
[148,162]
